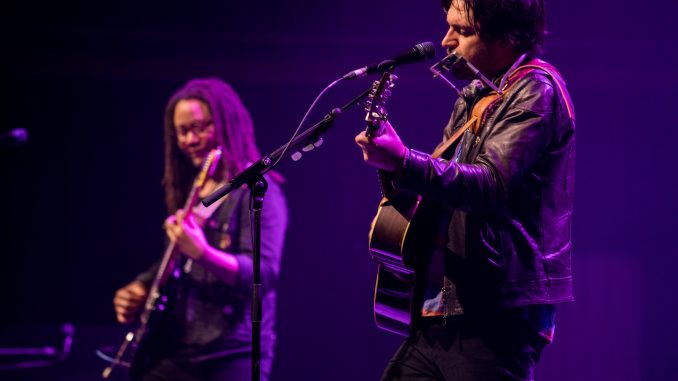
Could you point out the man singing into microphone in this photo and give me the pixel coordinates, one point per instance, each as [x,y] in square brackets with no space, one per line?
[503,176]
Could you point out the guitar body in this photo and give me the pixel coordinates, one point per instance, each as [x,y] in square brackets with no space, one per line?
[402,238]
[158,332]
[394,288]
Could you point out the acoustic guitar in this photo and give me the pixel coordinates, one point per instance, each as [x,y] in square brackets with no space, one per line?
[397,234]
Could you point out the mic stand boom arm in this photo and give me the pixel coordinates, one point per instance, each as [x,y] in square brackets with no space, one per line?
[253,176]
[265,164]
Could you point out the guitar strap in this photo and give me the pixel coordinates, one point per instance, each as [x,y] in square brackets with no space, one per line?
[232,212]
[484,105]
[457,134]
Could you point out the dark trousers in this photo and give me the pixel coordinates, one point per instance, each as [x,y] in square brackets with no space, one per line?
[231,368]
[467,350]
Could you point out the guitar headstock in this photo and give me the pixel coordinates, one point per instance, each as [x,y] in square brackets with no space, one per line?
[376,113]
[209,165]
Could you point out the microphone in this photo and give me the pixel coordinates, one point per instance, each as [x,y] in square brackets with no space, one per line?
[419,53]
[14,136]
[69,331]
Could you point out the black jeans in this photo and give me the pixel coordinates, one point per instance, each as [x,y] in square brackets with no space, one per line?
[505,348]
[231,368]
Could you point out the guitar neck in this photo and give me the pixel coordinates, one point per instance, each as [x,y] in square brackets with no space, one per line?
[376,118]
[385,184]
[169,258]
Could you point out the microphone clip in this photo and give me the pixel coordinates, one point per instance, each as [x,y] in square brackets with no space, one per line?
[381,67]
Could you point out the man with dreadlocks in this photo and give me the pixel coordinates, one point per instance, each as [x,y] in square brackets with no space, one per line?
[212,312]
[499,259]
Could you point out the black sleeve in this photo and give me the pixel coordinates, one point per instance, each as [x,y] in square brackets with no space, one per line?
[515,143]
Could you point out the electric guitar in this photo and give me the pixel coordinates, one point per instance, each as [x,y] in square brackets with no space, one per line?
[137,350]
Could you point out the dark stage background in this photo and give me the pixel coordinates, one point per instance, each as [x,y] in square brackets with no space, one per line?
[81,204]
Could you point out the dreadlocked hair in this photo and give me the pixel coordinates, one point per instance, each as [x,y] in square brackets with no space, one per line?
[233,130]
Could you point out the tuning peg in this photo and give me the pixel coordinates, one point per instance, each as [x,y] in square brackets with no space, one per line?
[296,156]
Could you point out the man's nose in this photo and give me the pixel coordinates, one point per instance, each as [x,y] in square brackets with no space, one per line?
[450,42]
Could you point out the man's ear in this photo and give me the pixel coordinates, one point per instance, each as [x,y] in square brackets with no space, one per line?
[506,46]
[506,43]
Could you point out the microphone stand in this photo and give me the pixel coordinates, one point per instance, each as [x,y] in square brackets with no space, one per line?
[253,176]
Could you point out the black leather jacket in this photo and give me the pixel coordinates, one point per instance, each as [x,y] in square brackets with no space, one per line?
[510,195]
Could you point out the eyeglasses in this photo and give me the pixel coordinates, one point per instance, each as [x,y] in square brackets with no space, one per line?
[199,127]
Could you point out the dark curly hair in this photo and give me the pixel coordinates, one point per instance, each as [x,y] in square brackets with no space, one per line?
[520,22]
